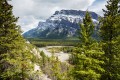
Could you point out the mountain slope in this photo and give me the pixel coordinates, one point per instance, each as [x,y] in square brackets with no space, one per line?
[62,24]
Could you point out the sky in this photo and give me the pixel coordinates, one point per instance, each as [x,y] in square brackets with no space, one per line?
[31,12]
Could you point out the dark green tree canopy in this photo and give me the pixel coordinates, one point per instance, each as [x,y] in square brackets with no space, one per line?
[112,8]
[110,31]
[86,29]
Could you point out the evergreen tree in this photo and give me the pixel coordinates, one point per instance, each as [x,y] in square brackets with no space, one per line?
[110,31]
[86,30]
[87,57]
[14,54]
[56,69]
[42,54]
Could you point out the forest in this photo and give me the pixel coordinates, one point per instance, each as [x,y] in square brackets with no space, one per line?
[86,58]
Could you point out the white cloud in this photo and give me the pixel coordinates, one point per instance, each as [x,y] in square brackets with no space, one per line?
[98,6]
[28,22]
[31,11]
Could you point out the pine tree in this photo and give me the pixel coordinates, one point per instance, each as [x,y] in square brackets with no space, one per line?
[110,31]
[86,30]
[56,69]
[87,57]
[42,54]
[14,54]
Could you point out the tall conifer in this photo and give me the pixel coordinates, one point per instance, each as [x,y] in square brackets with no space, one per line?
[87,59]
[14,54]
[110,31]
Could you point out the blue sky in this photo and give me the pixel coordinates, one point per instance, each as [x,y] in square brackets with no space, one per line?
[33,11]
[97,1]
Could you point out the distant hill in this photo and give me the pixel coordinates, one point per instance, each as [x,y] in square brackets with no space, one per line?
[61,25]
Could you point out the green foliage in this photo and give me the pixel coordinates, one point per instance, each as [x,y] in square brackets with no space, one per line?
[88,62]
[86,30]
[44,58]
[14,54]
[55,69]
[110,32]
[87,57]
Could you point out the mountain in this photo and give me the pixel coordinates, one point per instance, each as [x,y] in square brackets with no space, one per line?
[62,24]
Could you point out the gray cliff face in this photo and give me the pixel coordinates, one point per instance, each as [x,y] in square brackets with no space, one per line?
[62,24]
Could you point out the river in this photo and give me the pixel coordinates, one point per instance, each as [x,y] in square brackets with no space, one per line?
[63,57]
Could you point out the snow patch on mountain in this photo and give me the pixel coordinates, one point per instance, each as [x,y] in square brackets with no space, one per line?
[61,24]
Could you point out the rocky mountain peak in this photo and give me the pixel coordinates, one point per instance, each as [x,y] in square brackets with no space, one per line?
[61,24]
[70,12]
[76,13]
